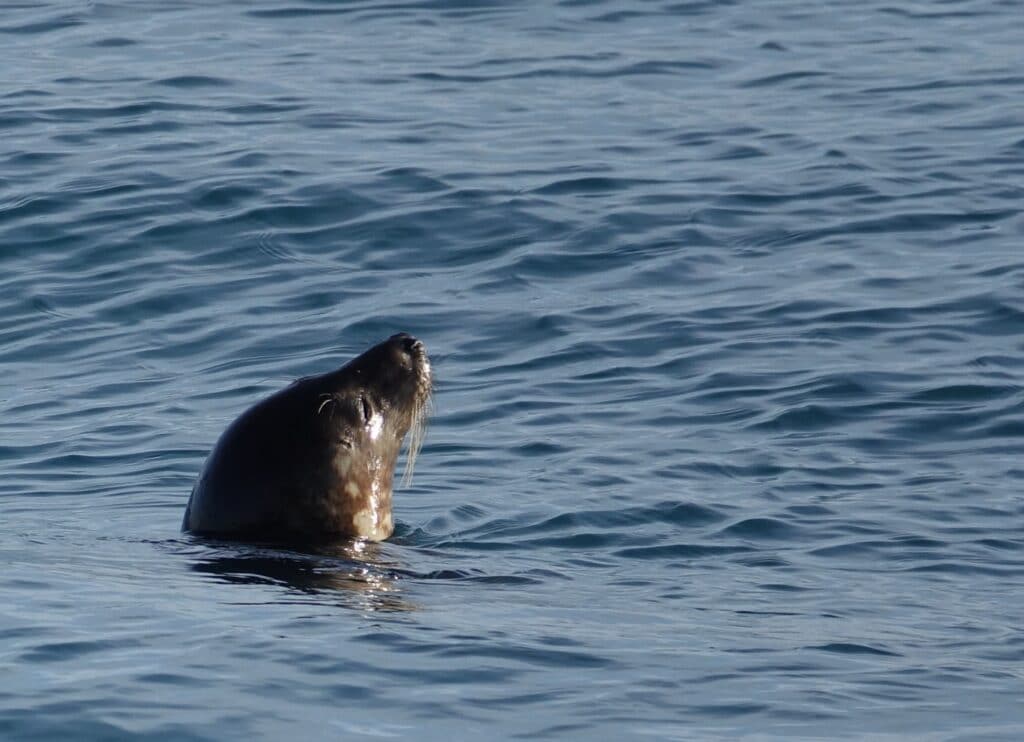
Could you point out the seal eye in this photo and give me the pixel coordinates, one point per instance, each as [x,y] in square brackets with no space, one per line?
[345,443]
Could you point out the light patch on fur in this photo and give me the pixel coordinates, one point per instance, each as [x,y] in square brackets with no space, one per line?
[375,425]
[352,489]
[365,522]
[372,525]
[342,464]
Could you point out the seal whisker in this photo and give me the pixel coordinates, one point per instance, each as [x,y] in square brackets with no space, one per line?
[417,432]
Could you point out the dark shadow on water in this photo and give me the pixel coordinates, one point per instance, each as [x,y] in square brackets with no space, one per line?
[356,571]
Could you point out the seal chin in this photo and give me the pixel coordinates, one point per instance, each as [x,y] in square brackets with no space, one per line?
[317,459]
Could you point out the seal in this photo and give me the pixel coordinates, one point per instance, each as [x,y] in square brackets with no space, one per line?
[316,460]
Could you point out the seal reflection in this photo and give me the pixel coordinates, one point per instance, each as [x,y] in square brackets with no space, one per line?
[355,570]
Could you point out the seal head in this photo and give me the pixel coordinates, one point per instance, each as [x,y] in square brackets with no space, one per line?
[316,460]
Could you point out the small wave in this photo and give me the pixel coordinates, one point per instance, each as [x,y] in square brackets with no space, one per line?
[193,81]
[854,649]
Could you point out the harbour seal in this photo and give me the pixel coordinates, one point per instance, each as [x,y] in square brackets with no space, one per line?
[316,460]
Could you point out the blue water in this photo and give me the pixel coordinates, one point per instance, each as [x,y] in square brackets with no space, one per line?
[725,307]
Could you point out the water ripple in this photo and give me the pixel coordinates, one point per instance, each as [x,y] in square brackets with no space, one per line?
[724,307]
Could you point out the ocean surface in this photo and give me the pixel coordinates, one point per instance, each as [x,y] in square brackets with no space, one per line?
[725,303]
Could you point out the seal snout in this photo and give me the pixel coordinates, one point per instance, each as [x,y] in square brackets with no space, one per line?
[411,345]
[410,354]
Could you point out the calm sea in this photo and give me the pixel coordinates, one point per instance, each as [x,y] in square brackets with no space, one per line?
[726,307]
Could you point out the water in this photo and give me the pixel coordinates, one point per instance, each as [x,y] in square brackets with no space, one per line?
[724,304]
